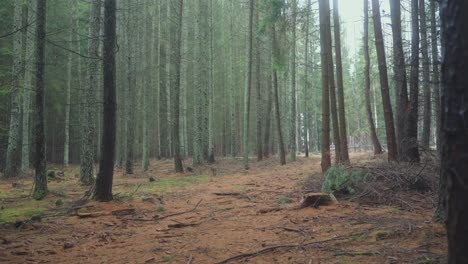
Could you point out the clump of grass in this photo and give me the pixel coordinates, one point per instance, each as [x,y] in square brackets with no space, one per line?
[284,199]
[161,209]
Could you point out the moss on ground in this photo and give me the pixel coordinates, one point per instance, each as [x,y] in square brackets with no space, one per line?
[22,210]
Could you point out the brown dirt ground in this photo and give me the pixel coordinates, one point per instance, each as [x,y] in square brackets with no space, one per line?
[258,217]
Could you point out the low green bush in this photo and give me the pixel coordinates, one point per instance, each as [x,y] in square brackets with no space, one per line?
[342,180]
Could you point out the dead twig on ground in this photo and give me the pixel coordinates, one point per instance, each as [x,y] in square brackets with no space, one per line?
[169,215]
[273,248]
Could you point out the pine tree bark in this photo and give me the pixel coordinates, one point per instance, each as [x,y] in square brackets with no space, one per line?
[427,104]
[12,164]
[66,144]
[332,92]
[259,100]
[454,152]
[131,93]
[411,147]
[87,146]
[211,155]
[103,190]
[40,179]
[248,86]
[282,151]
[147,39]
[163,105]
[400,77]
[435,71]
[324,13]
[293,84]
[176,44]
[339,84]
[268,111]
[306,80]
[384,87]
[372,131]
[28,87]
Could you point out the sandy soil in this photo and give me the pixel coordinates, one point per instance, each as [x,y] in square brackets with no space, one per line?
[228,212]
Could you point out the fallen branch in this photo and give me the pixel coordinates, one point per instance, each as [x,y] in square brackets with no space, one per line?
[170,215]
[227,194]
[273,248]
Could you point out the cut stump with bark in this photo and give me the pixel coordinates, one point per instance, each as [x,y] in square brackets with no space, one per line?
[317,199]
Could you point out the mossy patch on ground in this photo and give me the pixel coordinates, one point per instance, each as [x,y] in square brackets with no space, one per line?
[22,210]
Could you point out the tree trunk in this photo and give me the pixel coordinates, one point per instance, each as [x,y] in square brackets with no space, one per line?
[324,12]
[40,163]
[275,55]
[372,131]
[259,101]
[163,105]
[454,152]
[131,93]
[306,81]
[248,86]
[148,35]
[176,44]
[293,83]
[411,147]
[399,77]
[66,144]
[87,146]
[339,84]
[266,137]
[14,137]
[427,110]
[387,106]
[103,191]
[211,155]
[435,72]
[28,87]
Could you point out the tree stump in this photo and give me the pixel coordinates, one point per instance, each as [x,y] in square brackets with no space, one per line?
[316,199]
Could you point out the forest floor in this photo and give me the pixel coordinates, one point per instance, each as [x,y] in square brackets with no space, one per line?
[225,212]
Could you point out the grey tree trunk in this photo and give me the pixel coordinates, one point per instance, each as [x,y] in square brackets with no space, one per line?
[384,87]
[454,151]
[411,147]
[176,38]
[339,85]
[87,146]
[435,71]
[372,131]
[66,144]
[275,51]
[248,86]
[325,46]
[148,36]
[131,92]
[293,83]
[211,95]
[259,100]
[306,80]
[12,164]
[28,87]
[427,105]
[40,179]
[103,190]
[163,104]
[400,78]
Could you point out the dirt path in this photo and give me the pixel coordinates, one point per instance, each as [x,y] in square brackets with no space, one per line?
[238,212]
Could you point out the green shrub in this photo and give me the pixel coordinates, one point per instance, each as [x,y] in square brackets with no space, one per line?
[341,180]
